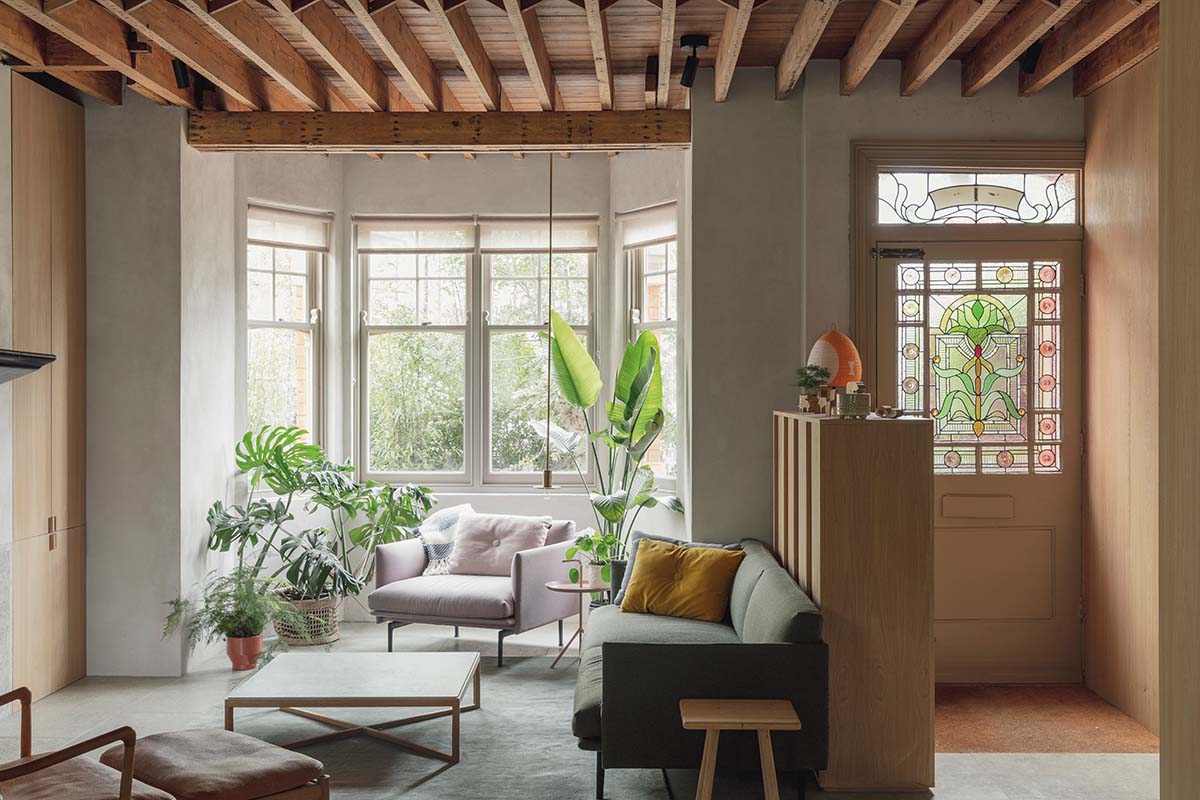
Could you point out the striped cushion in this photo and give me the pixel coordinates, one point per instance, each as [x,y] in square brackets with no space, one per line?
[437,537]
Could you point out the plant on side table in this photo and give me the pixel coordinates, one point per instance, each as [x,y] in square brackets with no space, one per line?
[623,485]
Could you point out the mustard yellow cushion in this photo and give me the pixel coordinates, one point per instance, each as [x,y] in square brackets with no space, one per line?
[675,581]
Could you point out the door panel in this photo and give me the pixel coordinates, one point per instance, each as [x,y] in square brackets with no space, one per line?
[985,338]
[49,619]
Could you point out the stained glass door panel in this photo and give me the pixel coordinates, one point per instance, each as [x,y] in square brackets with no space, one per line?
[983,337]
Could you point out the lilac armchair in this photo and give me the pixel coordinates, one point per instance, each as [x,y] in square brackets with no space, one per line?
[512,604]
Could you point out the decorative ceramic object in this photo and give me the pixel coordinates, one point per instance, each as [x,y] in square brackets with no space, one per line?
[889,412]
[835,352]
[244,651]
[854,406]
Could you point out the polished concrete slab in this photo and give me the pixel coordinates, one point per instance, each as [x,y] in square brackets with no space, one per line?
[518,746]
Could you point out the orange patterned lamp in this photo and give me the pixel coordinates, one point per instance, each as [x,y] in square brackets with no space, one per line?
[835,352]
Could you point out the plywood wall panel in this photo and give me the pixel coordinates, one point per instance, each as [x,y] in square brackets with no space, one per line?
[1121,463]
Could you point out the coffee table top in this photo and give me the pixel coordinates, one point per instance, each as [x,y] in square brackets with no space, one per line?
[359,679]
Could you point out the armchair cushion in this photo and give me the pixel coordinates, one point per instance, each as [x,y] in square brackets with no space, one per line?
[216,765]
[486,543]
[80,778]
[484,597]
[638,537]
[437,537]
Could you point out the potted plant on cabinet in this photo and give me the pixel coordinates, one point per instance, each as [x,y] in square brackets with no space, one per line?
[236,607]
[623,485]
[810,379]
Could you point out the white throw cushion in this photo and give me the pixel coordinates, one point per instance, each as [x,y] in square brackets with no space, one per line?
[484,544]
[437,537]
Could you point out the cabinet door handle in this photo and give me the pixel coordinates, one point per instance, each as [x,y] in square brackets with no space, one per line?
[51,524]
[53,541]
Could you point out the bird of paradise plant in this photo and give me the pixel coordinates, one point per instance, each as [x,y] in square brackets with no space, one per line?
[978,321]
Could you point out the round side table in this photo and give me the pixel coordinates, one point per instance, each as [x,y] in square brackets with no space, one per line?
[583,590]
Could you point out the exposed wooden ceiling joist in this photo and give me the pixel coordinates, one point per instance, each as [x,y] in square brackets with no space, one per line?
[181,34]
[601,51]
[876,33]
[956,20]
[456,26]
[89,27]
[22,37]
[528,31]
[1011,37]
[320,29]
[554,131]
[807,31]
[247,32]
[402,49]
[1122,53]
[104,86]
[1095,24]
[666,49]
[733,32]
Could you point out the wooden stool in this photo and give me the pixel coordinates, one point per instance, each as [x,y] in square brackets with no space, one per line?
[715,716]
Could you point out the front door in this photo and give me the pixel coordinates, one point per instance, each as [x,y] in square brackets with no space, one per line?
[984,337]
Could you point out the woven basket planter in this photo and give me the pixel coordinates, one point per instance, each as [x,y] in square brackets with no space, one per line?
[321,622]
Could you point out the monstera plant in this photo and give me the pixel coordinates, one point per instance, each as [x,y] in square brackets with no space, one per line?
[623,485]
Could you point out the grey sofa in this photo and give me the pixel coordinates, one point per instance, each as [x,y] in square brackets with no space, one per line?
[510,604]
[637,667]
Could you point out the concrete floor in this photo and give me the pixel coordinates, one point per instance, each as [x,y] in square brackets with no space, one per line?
[152,705]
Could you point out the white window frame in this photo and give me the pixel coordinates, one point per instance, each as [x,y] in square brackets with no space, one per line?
[635,266]
[477,472]
[316,261]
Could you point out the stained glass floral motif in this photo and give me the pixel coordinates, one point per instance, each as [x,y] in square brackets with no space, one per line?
[944,198]
[980,354]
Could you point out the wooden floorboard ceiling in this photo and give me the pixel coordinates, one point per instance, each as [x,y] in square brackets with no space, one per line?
[528,57]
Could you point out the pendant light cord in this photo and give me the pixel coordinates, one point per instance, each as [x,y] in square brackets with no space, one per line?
[546,475]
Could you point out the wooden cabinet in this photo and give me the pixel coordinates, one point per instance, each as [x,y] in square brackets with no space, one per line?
[49,594]
[853,523]
[49,406]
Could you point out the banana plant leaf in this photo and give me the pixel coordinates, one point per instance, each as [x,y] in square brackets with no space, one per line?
[578,376]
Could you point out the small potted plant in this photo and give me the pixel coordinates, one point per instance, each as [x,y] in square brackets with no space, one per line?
[597,552]
[236,607]
[810,379]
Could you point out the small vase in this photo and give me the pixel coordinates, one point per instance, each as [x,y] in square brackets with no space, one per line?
[593,574]
[243,651]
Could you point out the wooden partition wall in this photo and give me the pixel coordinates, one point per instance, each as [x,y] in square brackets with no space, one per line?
[853,523]
[1121,467]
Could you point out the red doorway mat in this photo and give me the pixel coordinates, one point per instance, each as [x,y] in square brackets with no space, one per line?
[1033,719]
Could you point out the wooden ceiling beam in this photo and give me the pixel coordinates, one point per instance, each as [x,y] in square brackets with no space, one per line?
[183,36]
[807,31]
[666,50]
[553,131]
[949,29]
[733,32]
[601,51]
[1095,24]
[1122,53]
[63,53]
[876,33]
[250,34]
[404,52]
[532,43]
[21,37]
[319,27]
[104,86]
[459,32]
[1012,36]
[91,28]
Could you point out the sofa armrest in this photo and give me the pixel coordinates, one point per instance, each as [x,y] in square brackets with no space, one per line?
[537,605]
[643,684]
[399,560]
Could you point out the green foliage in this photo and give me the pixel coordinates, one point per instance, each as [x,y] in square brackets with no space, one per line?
[811,377]
[635,417]
[236,605]
[598,549]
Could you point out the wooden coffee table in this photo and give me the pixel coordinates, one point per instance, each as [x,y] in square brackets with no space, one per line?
[294,682]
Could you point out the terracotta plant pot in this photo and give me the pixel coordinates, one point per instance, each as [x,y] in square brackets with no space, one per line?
[243,651]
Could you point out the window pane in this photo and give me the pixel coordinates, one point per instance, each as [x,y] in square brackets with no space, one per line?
[944,198]
[396,295]
[293,261]
[291,298]
[654,298]
[443,302]
[392,265]
[258,257]
[279,377]
[518,407]
[442,265]
[416,389]
[518,288]
[259,288]
[516,302]
[513,266]
[662,456]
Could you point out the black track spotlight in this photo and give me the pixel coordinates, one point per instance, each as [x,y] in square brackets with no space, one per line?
[694,42]
[182,79]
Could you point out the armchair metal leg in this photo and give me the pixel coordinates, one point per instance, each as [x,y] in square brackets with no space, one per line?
[560,633]
[500,647]
[391,628]
[599,775]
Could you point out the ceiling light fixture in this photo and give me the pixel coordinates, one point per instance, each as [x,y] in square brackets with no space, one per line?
[694,42]
[182,79]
